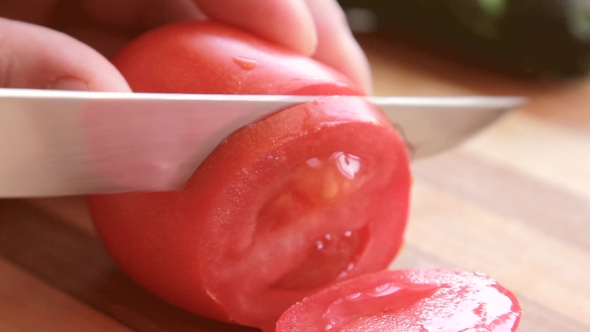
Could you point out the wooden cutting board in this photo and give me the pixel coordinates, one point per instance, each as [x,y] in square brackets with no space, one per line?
[513,202]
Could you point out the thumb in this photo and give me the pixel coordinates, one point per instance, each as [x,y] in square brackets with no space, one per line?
[34,57]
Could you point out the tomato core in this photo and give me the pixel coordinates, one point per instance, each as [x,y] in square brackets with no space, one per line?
[314,188]
[331,257]
[327,180]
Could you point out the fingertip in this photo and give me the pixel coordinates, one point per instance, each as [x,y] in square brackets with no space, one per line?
[355,64]
[308,41]
[337,47]
[68,83]
[36,57]
[297,26]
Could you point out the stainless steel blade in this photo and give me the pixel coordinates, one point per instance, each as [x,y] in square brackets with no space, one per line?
[55,143]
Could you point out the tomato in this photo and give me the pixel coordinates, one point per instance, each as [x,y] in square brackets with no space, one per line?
[215,59]
[417,300]
[295,202]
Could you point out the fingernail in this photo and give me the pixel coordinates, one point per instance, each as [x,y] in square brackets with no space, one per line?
[313,42]
[68,83]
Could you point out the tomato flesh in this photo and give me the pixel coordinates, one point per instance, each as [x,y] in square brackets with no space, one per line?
[298,240]
[318,183]
[329,258]
[419,300]
[295,202]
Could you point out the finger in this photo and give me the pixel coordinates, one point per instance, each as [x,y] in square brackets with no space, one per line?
[36,57]
[337,46]
[285,22]
[108,25]
[139,15]
[106,43]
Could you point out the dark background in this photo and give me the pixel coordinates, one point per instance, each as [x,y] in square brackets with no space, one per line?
[535,38]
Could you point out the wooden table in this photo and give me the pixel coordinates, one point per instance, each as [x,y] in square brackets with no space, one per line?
[513,202]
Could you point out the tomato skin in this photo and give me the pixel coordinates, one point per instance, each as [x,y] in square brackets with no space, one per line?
[419,300]
[212,58]
[178,244]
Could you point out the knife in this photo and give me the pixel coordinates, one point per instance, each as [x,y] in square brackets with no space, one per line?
[60,143]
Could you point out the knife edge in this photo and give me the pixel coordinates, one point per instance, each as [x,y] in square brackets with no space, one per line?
[439,101]
[43,152]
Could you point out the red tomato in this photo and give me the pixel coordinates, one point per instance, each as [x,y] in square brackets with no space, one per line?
[307,197]
[418,300]
[216,59]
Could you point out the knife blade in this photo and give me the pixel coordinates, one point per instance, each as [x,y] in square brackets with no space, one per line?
[59,143]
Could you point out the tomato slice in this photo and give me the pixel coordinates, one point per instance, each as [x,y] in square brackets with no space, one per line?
[418,300]
[298,201]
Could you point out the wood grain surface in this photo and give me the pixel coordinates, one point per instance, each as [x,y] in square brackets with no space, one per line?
[512,202]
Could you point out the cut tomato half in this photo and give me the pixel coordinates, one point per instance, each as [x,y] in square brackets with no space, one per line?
[295,202]
[418,300]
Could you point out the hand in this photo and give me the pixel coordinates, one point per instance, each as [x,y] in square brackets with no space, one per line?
[65,44]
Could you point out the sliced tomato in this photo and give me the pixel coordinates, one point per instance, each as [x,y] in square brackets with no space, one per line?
[298,201]
[419,300]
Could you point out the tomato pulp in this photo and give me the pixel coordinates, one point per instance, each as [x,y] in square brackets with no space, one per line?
[293,203]
[420,300]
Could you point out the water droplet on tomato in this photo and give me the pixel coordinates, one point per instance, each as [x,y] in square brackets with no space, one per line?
[319,245]
[349,268]
[314,162]
[353,296]
[245,63]
[348,164]
[383,290]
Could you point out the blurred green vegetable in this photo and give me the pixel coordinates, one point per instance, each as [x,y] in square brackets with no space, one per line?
[481,16]
[579,22]
[539,37]
[494,8]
